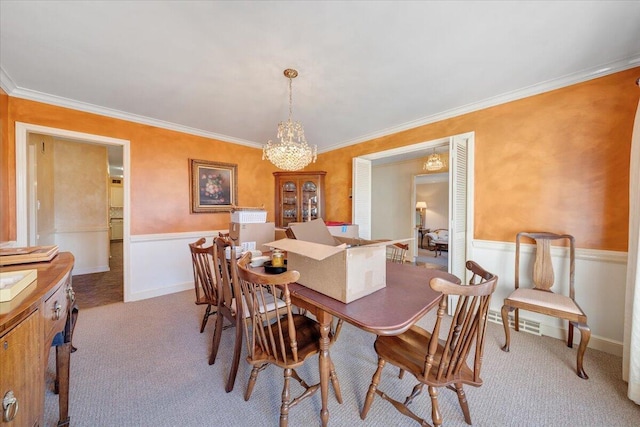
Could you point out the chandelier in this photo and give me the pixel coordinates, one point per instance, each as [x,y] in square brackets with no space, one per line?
[434,162]
[291,152]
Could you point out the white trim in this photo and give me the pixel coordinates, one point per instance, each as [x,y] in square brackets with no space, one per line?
[405,149]
[7,84]
[175,236]
[180,287]
[571,79]
[33,95]
[86,229]
[98,269]
[581,254]
[595,341]
[22,131]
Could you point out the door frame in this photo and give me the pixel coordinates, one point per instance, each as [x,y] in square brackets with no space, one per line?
[417,150]
[23,207]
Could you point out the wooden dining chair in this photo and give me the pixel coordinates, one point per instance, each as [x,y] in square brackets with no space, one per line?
[229,292]
[398,252]
[436,362]
[539,297]
[227,308]
[280,337]
[203,278]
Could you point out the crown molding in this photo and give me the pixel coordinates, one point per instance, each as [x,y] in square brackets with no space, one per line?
[11,89]
[7,84]
[568,80]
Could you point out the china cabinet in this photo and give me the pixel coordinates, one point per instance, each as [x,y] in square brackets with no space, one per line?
[299,196]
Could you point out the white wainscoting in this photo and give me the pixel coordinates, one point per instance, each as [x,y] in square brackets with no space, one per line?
[599,282]
[160,264]
[89,246]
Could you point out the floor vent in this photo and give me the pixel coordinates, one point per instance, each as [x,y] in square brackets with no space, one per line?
[526,325]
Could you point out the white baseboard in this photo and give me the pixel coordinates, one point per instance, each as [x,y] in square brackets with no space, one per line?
[91,270]
[596,342]
[152,293]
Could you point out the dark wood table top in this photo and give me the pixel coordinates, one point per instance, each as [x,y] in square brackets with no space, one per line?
[388,311]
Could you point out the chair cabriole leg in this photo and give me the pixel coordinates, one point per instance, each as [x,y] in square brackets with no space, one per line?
[505,322]
[585,335]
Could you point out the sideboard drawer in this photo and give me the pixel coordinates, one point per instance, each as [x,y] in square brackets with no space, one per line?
[55,310]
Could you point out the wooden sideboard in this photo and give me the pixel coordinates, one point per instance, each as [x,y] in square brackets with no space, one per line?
[28,325]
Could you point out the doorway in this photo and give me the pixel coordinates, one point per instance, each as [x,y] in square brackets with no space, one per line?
[432,210]
[460,194]
[25,205]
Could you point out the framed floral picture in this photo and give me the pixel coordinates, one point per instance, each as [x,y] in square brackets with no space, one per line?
[214,186]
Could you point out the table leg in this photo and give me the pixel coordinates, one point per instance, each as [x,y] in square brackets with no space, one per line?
[324,360]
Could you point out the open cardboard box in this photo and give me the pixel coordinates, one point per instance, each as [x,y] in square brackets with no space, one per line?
[343,268]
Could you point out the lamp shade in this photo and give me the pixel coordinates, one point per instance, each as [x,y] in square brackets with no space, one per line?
[421,205]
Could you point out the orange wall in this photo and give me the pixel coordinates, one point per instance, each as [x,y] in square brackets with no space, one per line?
[558,161]
[160,184]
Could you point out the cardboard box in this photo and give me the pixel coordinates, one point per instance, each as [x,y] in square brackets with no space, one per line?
[281,233]
[345,230]
[252,236]
[343,268]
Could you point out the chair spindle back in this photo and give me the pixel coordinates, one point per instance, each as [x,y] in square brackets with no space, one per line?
[468,325]
[203,274]
[272,333]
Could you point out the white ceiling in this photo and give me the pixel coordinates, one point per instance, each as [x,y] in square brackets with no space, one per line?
[366,68]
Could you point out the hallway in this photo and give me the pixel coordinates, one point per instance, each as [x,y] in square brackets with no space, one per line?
[97,289]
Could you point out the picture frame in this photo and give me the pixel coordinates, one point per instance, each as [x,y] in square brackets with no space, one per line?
[214,186]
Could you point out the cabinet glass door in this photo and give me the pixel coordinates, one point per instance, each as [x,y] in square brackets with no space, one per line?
[289,203]
[309,200]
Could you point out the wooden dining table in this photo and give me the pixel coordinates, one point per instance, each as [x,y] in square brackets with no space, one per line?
[391,310]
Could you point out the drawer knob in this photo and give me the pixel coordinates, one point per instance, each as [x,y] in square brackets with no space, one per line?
[56,310]
[9,406]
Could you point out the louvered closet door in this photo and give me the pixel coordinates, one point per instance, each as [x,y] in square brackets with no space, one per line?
[361,196]
[459,176]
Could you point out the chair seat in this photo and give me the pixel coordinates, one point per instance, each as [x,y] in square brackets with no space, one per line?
[307,335]
[408,351]
[545,299]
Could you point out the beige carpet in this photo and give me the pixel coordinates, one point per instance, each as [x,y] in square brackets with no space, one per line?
[145,364]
